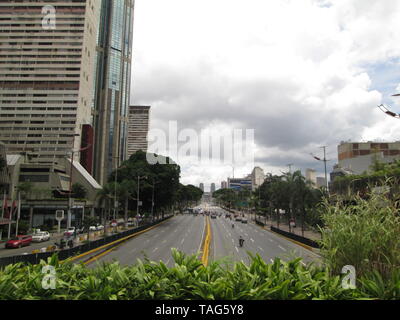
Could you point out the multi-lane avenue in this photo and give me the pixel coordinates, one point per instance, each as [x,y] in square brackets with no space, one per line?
[186,233]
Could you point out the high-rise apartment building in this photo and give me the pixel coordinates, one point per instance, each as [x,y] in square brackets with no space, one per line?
[201,186]
[224,185]
[212,189]
[258,177]
[113,79]
[138,128]
[47,67]
[311,176]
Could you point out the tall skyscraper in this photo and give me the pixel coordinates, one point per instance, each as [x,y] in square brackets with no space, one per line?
[138,128]
[212,188]
[113,79]
[47,68]
[201,186]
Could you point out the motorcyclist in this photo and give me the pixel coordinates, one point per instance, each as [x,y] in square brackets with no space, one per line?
[241,241]
[233,225]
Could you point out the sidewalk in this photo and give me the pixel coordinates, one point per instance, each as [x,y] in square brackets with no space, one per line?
[310,234]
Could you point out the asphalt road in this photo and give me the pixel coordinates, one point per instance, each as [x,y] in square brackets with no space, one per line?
[184,233]
[225,243]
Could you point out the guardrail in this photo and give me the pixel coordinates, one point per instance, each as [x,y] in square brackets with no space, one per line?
[68,253]
[296,237]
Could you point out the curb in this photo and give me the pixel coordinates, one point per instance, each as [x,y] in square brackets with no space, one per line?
[289,239]
[113,244]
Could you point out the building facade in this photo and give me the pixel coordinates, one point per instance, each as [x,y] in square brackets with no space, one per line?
[113,81]
[47,69]
[138,128]
[224,185]
[257,177]
[212,189]
[358,157]
[311,176]
[240,183]
[201,186]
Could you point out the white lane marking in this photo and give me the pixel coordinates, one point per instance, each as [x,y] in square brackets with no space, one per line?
[182,241]
[237,249]
[168,261]
[282,248]
[155,249]
[303,263]
[261,249]
[252,240]
[270,240]
[233,241]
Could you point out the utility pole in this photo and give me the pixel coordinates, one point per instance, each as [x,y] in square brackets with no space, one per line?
[326,176]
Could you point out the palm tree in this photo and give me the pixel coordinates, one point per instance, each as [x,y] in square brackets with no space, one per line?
[105,197]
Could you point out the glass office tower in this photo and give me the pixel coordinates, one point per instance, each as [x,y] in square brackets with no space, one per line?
[113,77]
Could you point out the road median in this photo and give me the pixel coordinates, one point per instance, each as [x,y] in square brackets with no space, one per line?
[206,244]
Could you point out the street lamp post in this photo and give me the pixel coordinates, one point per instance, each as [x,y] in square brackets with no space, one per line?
[138,191]
[325,161]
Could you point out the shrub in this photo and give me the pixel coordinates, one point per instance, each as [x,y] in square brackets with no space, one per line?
[364,234]
[187,280]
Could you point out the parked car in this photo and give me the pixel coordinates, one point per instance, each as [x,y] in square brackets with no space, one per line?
[213,216]
[244,220]
[99,227]
[238,218]
[41,236]
[19,242]
[92,228]
[69,232]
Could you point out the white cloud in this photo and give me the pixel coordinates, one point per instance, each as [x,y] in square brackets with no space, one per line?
[295,71]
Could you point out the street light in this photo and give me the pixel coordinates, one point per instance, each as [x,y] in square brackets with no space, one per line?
[325,161]
[138,190]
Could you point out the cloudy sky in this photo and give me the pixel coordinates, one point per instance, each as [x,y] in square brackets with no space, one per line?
[301,73]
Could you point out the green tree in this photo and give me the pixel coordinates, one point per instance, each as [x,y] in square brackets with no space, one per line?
[79,191]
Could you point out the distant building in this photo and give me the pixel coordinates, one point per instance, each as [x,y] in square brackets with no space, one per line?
[138,129]
[240,183]
[339,172]
[224,185]
[311,176]
[212,190]
[358,157]
[257,177]
[201,186]
[321,182]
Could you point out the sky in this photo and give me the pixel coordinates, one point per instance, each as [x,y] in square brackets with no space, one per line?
[302,74]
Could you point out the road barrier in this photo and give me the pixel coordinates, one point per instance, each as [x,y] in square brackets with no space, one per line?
[206,246]
[72,252]
[296,237]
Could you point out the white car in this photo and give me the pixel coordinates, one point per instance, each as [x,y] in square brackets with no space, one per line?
[99,227]
[92,228]
[41,236]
